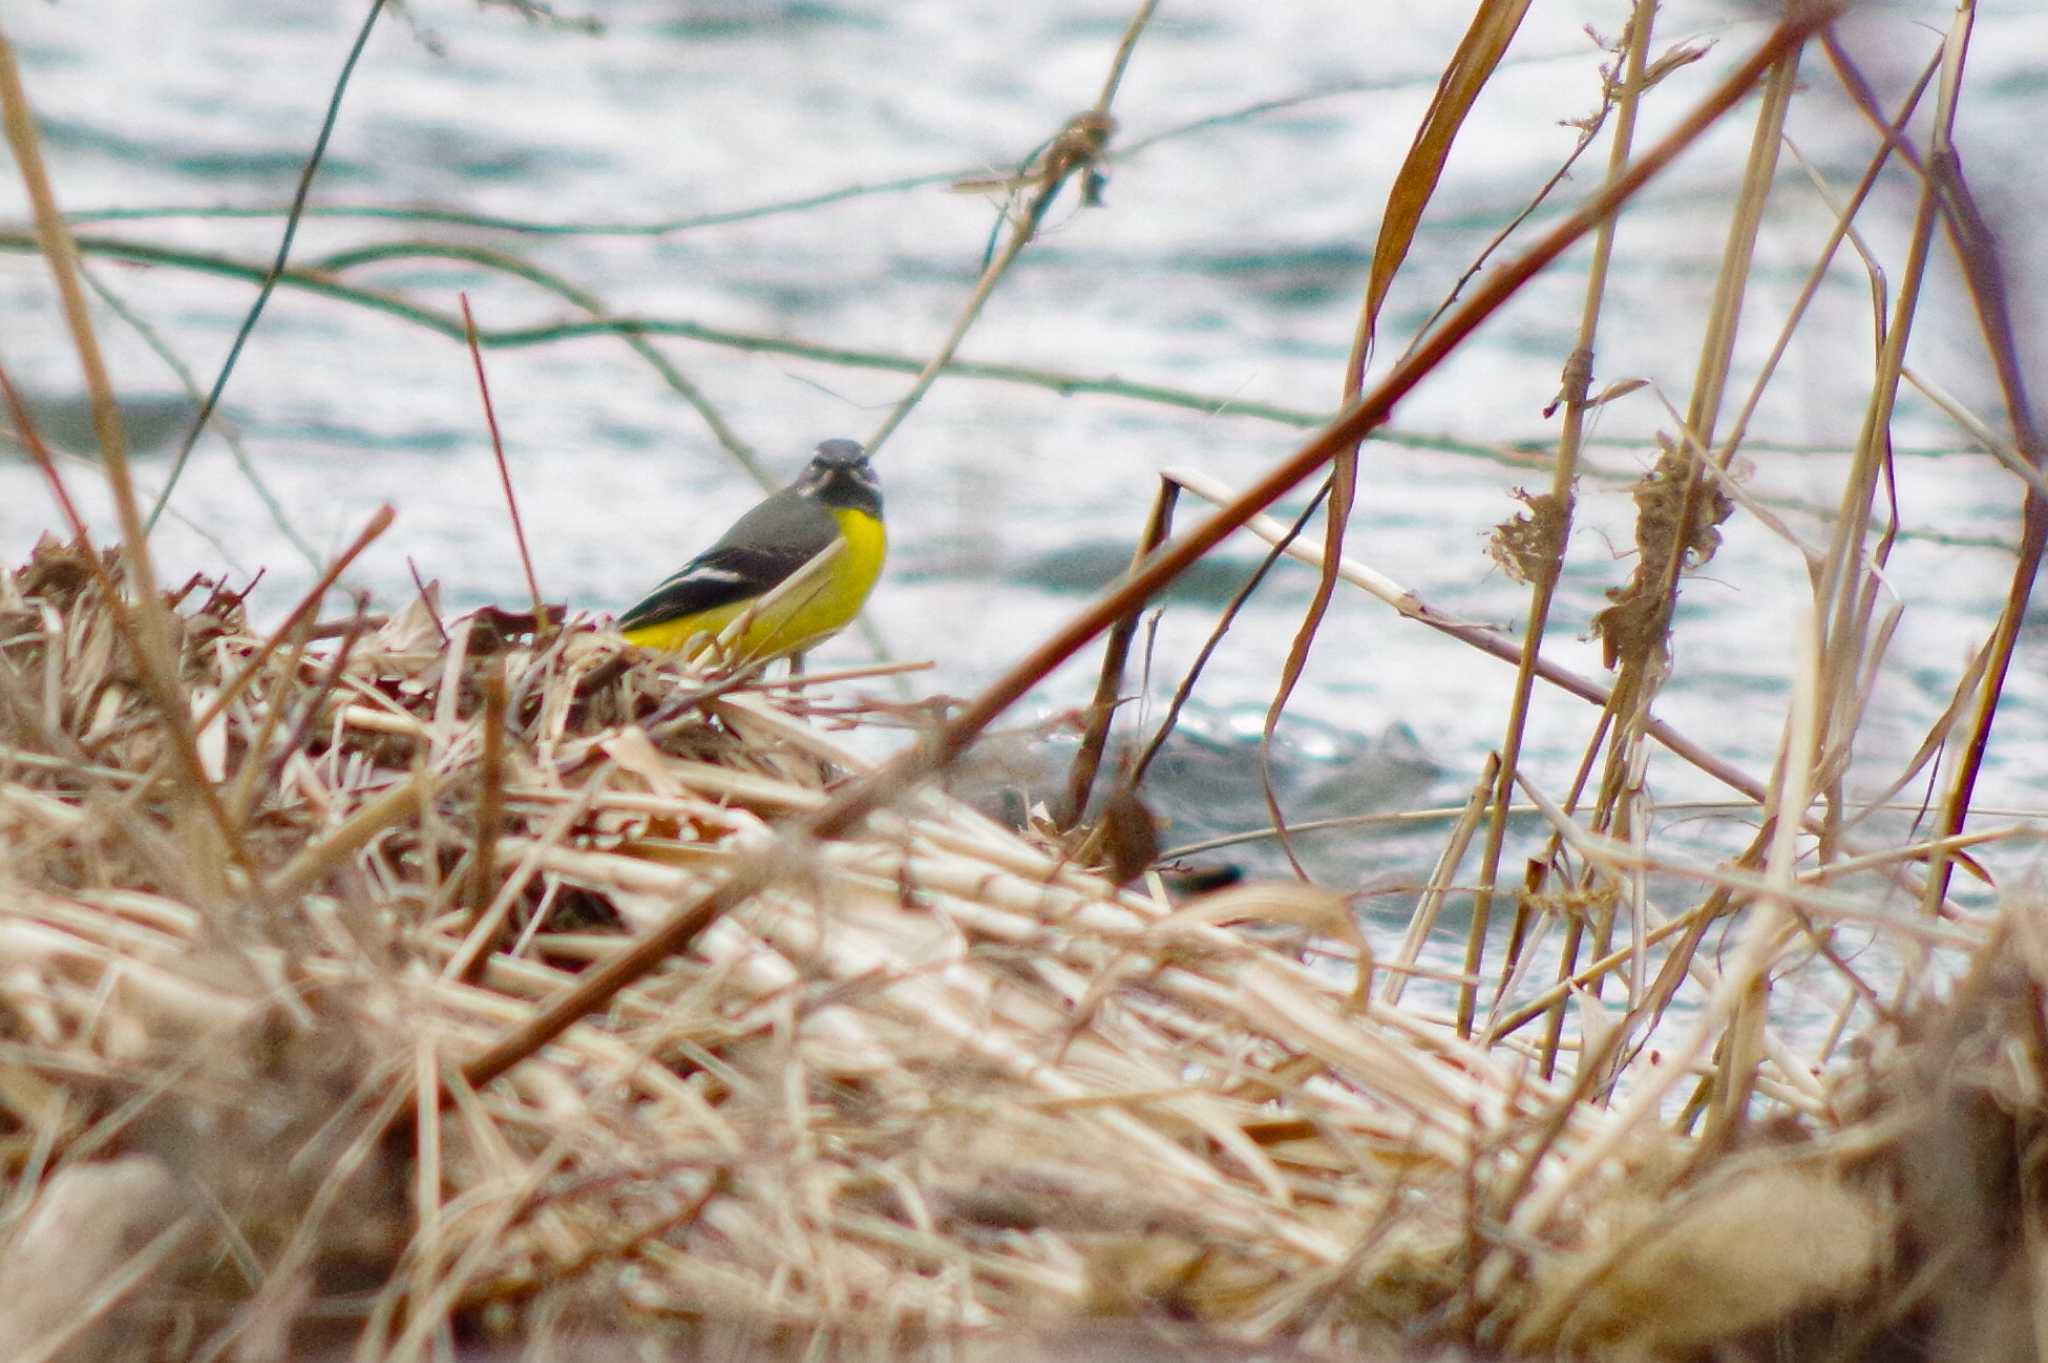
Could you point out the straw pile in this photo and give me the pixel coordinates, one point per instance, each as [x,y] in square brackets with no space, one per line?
[933,1085]
[288,923]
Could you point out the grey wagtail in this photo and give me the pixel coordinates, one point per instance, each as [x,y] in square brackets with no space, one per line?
[835,504]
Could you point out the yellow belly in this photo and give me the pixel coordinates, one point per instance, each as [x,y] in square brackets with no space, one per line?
[820,606]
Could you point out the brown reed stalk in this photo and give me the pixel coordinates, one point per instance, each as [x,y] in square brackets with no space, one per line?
[1834,760]
[149,636]
[483,388]
[430,1230]
[1109,684]
[62,258]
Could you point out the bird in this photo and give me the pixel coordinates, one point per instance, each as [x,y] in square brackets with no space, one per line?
[834,504]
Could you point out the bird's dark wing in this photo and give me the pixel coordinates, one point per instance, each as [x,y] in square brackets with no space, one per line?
[763,547]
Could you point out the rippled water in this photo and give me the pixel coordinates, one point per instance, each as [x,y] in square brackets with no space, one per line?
[1228,261]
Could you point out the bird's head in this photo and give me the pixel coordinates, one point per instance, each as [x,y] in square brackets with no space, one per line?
[839,475]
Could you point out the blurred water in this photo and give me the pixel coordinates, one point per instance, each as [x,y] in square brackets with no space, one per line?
[1229,259]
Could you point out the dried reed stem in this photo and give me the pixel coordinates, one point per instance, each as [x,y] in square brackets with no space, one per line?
[483,389]
[149,637]
[1116,649]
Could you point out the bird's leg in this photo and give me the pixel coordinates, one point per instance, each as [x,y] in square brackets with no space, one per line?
[796,663]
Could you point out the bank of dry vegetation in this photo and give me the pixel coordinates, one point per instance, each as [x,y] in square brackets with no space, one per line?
[385,985]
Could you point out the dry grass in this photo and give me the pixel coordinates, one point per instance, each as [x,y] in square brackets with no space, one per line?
[933,1083]
[933,1080]
[386,987]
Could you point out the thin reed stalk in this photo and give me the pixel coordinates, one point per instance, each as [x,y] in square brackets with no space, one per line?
[148,634]
[1539,552]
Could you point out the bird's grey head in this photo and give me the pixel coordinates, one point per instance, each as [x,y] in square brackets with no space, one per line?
[843,464]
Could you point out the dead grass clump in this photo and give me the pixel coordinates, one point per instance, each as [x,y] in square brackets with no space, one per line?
[1529,545]
[1748,1247]
[1955,1103]
[930,1080]
[1678,506]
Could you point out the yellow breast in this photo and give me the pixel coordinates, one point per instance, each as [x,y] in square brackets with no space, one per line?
[831,604]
